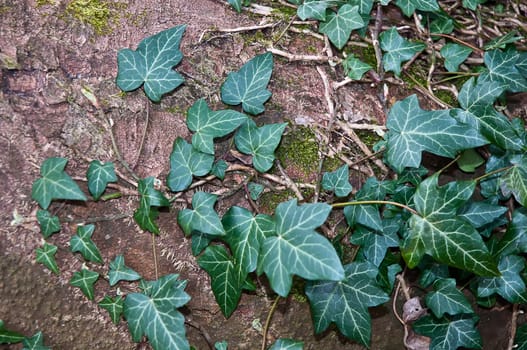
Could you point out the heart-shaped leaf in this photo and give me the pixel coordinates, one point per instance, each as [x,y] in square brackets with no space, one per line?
[120,272]
[337,181]
[85,279]
[81,242]
[354,67]
[454,55]
[99,175]
[338,26]
[397,50]
[46,256]
[48,224]
[203,218]
[114,306]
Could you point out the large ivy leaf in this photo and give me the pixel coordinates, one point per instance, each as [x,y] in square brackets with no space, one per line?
[514,180]
[413,130]
[99,175]
[409,6]
[315,9]
[151,64]
[54,183]
[248,86]
[207,124]
[186,161]
[245,234]
[346,302]
[9,337]
[338,25]
[81,242]
[36,342]
[514,240]
[287,344]
[114,306]
[510,284]
[154,313]
[46,256]
[297,249]
[48,224]
[446,298]
[337,181]
[460,331]
[479,214]
[227,277]
[501,68]
[260,142]
[202,218]
[85,279]
[120,272]
[454,55]
[397,50]
[441,233]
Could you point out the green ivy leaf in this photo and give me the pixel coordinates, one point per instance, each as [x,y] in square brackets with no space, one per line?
[446,298]
[151,64]
[146,218]
[186,161]
[520,340]
[514,180]
[442,25]
[510,284]
[220,345]
[46,256]
[255,190]
[236,4]
[48,224]
[202,218]
[99,175]
[337,181]
[365,6]
[514,240]
[154,313]
[346,302]
[397,50]
[248,86]
[219,168]
[315,9]
[227,277]
[413,130]
[472,4]
[454,55]
[81,242]
[146,214]
[36,342]
[54,183]
[207,124]
[355,68]
[479,214]
[338,26]
[460,331]
[199,241]
[120,272]
[441,233]
[297,249]
[374,245]
[85,279]
[409,6]
[501,68]
[287,344]
[469,160]
[9,337]
[260,142]
[502,41]
[114,306]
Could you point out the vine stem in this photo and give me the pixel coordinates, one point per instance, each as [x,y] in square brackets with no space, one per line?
[268,321]
[345,204]
[494,172]
[514,319]
[155,255]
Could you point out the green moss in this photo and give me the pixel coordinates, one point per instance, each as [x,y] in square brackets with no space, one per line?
[45,2]
[96,13]
[365,54]
[270,200]
[447,97]
[368,137]
[298,154]
[256,37]
[331,164]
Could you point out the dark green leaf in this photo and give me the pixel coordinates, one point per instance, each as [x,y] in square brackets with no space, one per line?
[472,4]
[46,256]
[470,160]
[146,218]
[99,175]
[153,197]
[151,64]
[520,341]
[202,218]
[338,26]
[315,9]
[236,4]
[367,215]
[375,244]
[454,55]
[515,239]
[365,6]
[354,67]
[114,306]
[442,25]
[397,50]
[120,272]
[510,284]
[514,180]
[199,242]
[81,242]
[219,168]
[449,333]
[502,41]
[479,214]
[54,183]
[501,68]
[36,342]
[287,344]
[255,190]
[446,298]
[337,181]
[409,6]
[85,279]
[48,224]
[9,337]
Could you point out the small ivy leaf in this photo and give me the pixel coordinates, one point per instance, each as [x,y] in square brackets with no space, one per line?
[346,302]
[81,242]
[55,184]
[260,142]
[146,218]
[296,249]
[199,242]
[248,86]
[409,6]
[413,130]
[374,245]
[220,345]
[227,278]
[479,214]
[219,168]
[397,50]
[472,4]
[150,195]
[520,340]
[514,240]
[151,64]
[36,342]
[120,272]
[236,4]
[470,160]
[501,68]
[207,124]
[9,337]
[514,180]
[442,25]
[48,224]
[114,306]
[154,313]
[186,161]
[446,298]
[202,218]
[355,68]
[255,190]
[85,279]
[459,331]
[454,55]
[510,284]
[338,26]
[387,275]
[46,256]
[365,6]
[502,41]
[315,9]
[99,175]
[287,344]
[337,181]
[439,231]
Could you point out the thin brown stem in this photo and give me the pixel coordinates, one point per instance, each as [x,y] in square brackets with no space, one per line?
[155,255]
[396,204]
[268,321]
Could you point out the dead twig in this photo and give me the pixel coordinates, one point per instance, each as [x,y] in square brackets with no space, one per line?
[292,57]
[514,319]
[238,29]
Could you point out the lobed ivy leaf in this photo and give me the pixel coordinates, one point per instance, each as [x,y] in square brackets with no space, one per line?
[54,183]
[146,219]
[120,272]
[454,55]
[354,67]
[287,344]
[409,6]
[9,337]
[509,284]
[151,64]
[227,277]
[84,280]
[374,245]
[48,224]
[472,4]
[154,313]
[255,190]
[338,25]
[219,168]
[81,242]
[520,340]
[514,240]
[337,181]
[46,256]
[459,331]
[397,50]
[441,233]
[501,68]
[514,180]
[207,124]
[315,9]
[36,342]
[346,302]
[114,306]
[248,86]
[186,161]
[260,142]
[99,175]
[413,130]
[296,249]
[202,218]
[446,298]
[442,25]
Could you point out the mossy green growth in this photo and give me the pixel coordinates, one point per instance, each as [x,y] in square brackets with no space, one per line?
[299,154]
[97,13]
[270,200]
[45,2]
[368,137]
[365,54]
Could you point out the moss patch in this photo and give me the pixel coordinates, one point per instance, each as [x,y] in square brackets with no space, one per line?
[96,13]
[298,154]
[270,200]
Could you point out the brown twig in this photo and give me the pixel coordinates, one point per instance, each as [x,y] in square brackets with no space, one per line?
[514,319]
[292,57]
[268,321]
